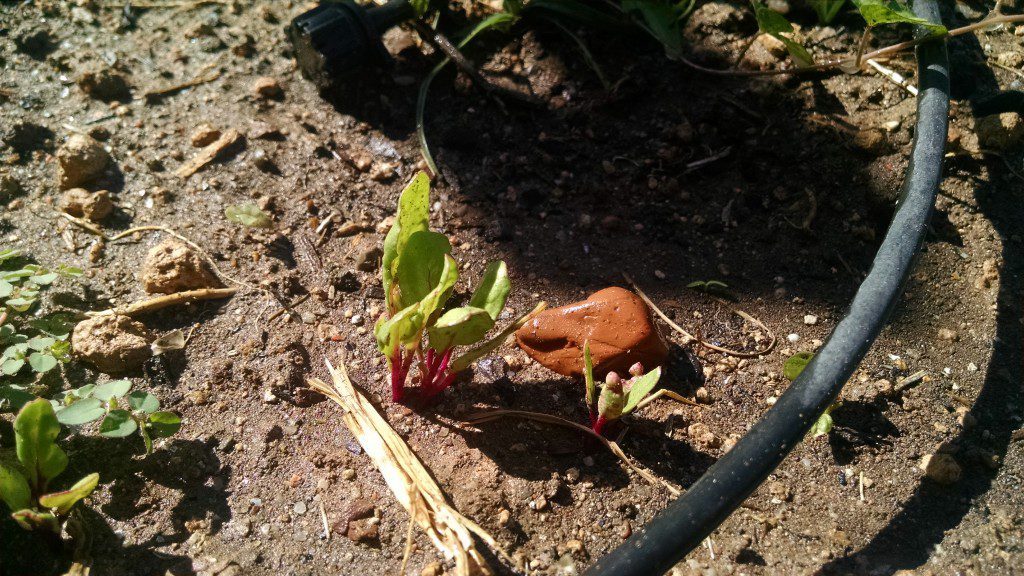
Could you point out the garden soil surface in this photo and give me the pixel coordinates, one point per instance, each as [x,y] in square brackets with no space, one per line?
[780,187]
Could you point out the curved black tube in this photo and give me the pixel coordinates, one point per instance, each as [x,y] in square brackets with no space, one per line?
[686,522]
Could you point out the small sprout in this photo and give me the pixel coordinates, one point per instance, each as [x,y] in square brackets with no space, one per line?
[137,411]
[248,215]
[714,287]
[823,425]
[618,396]
[24,489]
[795,364]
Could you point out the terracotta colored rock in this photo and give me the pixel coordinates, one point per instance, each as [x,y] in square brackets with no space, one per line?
[617,323]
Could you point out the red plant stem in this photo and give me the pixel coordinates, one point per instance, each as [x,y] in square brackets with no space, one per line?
[599,425]
[445,359]
[427,369]
[593,417]
[397,378]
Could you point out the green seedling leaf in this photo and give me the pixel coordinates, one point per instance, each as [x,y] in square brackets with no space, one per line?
[796,364]
[8,254]
[112,389]
[14,489]
[11,366]
[413,216]
[84,391]
[81,412]
[21,303]
[797,52]
[144,401]
[877,12]
[248,215]
[493,290]
[57,326]
[399,330]
[611,404]
[827,10]
[163,424]
[769,21]
[588,376]
[6,289]
[69,271]
[434,301]
[32,520]
[661,19]
[42,363]
[421,265]
[823,425]
[44,279]
[642,386]
[35,430]
[118,424]
[463,362]
[61,502]
[13,397]
[459,327]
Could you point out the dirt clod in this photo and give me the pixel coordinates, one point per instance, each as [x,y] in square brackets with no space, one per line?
[81,203]
[364,531]
[1000,131]
[941,467]
[173,266]
[267,88]
[113,343]
[105,84]
[81,159]
[204,135]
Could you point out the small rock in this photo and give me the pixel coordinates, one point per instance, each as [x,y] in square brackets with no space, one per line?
[362,161]
[871,141]
[173,266]
[780,491]
[81,203]
[81,159]
[702,395]
[268,88]
[299,508]
[348,474]
[382,172]
[9,186]
[204,135]
[948,335]
[504,517]
[106,85]
[432,569]
[1000,131]
[363,531]
[369,259]
[989,275]
[703,435]
[269,397]
[112,343]
[941,467]
[793,338]
[358,509]
[1013,59]
[810,319]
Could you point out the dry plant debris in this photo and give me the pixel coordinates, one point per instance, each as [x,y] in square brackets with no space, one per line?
[410,481]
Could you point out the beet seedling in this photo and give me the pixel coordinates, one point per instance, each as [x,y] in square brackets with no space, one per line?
[24,483]
[419,277]
[618,396]
[137,410]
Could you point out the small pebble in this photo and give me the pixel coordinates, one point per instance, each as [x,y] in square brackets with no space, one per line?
[810,319]
[793,338]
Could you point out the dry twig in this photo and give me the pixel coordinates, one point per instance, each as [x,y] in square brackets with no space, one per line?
[691,338]
[163,301]
[207,154]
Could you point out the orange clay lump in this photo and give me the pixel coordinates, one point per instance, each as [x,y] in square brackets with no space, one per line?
[617,323]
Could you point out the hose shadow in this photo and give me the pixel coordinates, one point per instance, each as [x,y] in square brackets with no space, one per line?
[909,539]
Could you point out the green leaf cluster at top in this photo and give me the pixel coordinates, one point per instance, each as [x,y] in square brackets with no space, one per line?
[419,277]
[123,412]
[24,481]
[878,12]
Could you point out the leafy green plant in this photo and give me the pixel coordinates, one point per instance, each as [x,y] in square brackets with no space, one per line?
[618,397]
[419,276]
[38,344]
[24,482]
[123,412]
[879,12]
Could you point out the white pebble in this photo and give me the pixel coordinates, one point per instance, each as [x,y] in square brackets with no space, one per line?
[659,274]
[793,338]
[810,319]
[972,367]
[947,371]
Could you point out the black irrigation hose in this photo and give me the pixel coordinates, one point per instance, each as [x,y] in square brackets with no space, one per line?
[685,523]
